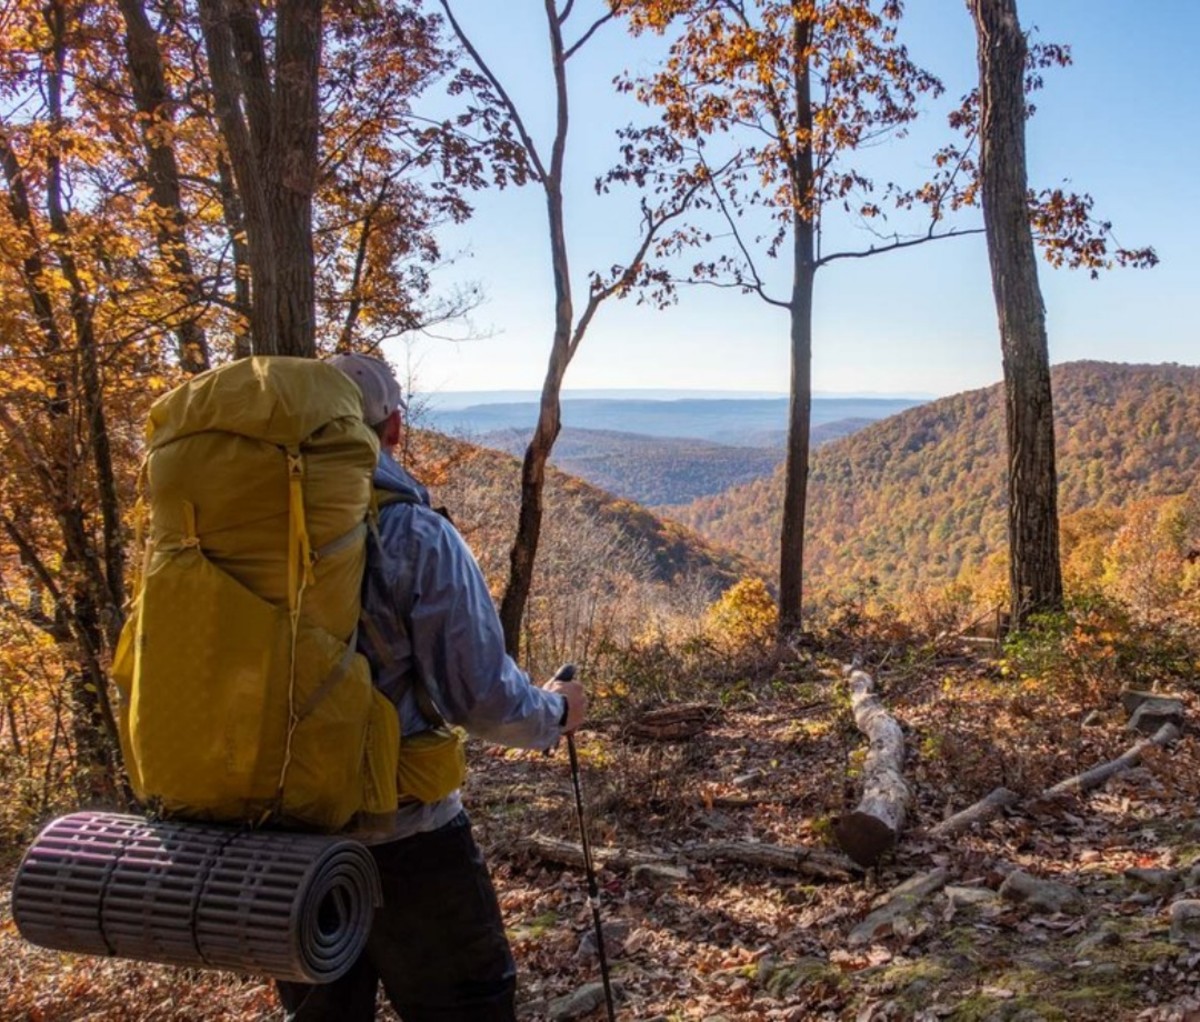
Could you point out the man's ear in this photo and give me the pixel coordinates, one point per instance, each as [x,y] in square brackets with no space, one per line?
[390,435]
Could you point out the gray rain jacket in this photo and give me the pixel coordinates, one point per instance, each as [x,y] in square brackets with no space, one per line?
[429,603]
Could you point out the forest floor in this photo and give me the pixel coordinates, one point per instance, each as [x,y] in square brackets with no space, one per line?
[775,765]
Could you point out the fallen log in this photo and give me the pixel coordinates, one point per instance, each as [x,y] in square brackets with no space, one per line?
[819,865]
[793,858]
[982,811]
[874,826]
[673,723]
[568,853]
[748,801]
[1095,777]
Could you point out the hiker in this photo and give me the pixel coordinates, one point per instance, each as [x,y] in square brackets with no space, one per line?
[438,943]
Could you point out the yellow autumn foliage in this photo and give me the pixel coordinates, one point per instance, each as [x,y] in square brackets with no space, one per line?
[745,616]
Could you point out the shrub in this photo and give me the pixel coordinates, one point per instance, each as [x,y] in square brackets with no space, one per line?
[744,618]
[1095,647]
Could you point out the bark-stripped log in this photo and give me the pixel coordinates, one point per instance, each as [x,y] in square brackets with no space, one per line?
[1095,777]
[982,811]
[872,829]
[990,806]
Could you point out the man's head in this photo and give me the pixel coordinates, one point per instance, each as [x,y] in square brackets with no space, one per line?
[383,401]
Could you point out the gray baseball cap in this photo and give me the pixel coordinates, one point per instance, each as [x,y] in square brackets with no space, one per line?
[381,393]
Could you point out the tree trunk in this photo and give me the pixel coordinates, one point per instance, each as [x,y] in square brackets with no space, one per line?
[795,483]
[153,101]
[1035,573]
[271,132]
[107,582]
[901,902]
[795,486]
[568,332]
[231,209]
[537,454]
[814,862]
[291,171]
[533,468]
[98,590]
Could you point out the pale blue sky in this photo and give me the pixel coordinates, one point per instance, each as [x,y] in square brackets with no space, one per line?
[1123,123]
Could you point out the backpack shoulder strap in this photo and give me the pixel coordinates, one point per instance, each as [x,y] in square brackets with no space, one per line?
[383,498]
[402,616]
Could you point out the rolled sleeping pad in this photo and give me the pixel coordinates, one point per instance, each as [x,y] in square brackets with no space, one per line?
[287,906]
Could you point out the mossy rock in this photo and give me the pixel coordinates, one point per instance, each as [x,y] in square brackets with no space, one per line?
[780,978]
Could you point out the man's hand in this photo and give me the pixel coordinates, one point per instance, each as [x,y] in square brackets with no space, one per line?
[577,701]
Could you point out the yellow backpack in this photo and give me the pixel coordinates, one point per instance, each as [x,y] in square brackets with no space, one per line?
[243,698]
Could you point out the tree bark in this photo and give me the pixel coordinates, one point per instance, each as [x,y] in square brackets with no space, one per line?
[673,723]
[795,485]
[903,901]
[1035,573]
[109,582]
[245,163]
[291,170]
[231,210]
[533,471]
[271,131]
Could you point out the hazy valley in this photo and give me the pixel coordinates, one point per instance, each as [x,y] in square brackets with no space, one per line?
[660,471]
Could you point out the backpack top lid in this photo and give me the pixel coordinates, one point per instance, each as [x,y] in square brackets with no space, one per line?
[277,398]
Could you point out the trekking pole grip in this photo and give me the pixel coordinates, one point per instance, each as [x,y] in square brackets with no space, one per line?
[564,673]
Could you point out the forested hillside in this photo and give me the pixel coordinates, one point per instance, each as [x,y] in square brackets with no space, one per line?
[479,488]
[919,498]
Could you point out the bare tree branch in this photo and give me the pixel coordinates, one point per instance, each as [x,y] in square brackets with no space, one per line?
[905,243]
[509,105]
[570,52]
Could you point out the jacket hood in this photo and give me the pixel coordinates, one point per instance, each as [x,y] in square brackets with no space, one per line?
[389,475]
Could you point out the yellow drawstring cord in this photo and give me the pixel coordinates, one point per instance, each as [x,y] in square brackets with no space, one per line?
[300,575]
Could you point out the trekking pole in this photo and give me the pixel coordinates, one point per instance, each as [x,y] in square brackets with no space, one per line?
[567,673]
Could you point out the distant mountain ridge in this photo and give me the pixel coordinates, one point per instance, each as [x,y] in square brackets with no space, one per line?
[733,421]
[452,399]
[444,400]
[918,498]
[657,471]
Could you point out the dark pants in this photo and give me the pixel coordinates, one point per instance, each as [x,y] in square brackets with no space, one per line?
[437,944]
